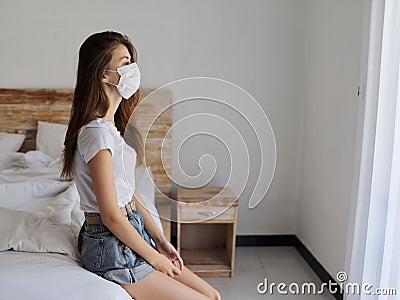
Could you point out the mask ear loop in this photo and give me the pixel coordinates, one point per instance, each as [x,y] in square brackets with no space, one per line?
[111,82]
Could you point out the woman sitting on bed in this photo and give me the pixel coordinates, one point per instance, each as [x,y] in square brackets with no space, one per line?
[117,229]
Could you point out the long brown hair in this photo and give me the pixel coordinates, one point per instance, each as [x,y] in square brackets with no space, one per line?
[90,100]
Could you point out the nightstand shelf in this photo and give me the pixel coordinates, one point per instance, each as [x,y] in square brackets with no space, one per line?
[207,262]
[206,230]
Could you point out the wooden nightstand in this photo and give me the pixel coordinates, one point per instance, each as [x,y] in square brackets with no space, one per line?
[206,230]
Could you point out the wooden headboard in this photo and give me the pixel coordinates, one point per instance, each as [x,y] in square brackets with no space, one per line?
[21,109]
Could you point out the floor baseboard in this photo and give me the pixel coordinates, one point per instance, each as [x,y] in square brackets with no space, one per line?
[266,240]
[289,240]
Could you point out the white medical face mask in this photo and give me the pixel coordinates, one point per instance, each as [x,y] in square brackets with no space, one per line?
[129,81]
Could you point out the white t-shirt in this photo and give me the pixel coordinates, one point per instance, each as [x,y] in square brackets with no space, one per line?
[96,135]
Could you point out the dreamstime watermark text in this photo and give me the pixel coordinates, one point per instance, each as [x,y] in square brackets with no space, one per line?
[311,288]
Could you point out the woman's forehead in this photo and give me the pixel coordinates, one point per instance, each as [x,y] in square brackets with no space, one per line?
[120,52]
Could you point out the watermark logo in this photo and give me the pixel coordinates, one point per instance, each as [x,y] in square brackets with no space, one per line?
[222,136]
[311,288]
[341,276]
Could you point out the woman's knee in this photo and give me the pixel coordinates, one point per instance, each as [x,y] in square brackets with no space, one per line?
[215,295]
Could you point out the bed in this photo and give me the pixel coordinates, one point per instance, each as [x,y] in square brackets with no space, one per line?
[39,213]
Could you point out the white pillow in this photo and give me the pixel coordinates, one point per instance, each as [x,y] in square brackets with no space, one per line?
[50,138]
[28,232]
[42,225]
[11,142]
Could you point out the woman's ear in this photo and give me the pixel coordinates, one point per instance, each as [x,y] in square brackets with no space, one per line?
[104,78]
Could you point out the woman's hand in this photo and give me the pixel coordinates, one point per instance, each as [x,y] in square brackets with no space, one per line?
[164,265]
[166,248]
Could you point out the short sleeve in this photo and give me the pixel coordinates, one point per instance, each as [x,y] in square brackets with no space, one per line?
[93,139]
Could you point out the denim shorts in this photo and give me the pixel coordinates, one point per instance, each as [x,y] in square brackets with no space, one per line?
[105,255]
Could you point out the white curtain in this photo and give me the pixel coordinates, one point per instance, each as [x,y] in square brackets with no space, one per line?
[374,255]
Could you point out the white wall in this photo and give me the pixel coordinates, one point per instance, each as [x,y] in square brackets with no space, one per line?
[254,44]
[332,70]
[298,58]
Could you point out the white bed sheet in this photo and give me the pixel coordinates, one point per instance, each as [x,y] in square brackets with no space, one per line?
[41,276]
[26,275]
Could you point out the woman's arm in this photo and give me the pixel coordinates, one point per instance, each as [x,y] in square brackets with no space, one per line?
[149,224]
[101,171]
[156,234]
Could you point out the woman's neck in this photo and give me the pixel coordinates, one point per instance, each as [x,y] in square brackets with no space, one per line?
[114,103]
[109,117]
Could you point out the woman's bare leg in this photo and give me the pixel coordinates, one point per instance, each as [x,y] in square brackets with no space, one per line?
[197,283]
[157,285]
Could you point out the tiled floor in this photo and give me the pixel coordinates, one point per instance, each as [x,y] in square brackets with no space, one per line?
[276,264]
